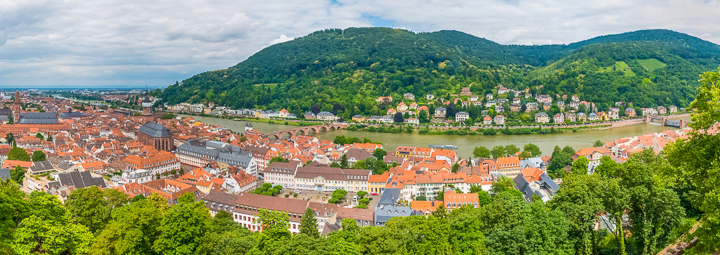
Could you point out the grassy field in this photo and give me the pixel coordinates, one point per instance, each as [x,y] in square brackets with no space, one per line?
[619,66]
[651,64]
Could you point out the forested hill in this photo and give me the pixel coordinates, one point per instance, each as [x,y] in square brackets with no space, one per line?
[352,67]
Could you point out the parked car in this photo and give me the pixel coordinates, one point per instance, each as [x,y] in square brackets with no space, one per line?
[297,191]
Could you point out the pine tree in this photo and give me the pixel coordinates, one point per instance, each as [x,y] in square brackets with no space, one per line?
[344,162]
[308,224]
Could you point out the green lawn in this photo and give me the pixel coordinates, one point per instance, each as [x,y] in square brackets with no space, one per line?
[619,66]
[651,64]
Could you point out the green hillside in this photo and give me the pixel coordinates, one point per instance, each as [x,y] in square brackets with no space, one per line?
[345,70]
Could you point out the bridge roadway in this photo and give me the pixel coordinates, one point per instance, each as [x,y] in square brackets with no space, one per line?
[305,130]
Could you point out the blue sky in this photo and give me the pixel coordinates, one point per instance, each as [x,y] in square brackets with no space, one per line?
[107,43]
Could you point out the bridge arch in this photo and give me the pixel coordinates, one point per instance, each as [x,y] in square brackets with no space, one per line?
[324,128]
[301,132]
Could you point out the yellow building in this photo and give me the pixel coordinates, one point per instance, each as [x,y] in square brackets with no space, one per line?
[376,183]
[403,151]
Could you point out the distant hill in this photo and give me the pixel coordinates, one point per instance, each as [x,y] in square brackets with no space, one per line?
[345,70]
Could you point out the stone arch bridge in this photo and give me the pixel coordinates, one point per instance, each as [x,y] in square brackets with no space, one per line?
[305,130]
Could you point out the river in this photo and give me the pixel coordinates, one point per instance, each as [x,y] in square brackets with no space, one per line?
[465,143]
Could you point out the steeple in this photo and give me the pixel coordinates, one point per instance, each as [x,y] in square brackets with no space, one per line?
[147,106]
[16,107]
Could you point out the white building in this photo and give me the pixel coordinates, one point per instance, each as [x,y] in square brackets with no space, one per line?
[247,206]
[331,178]
[461,116]
[283,174]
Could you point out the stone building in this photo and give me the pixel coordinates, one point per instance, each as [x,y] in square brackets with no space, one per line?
[156,135]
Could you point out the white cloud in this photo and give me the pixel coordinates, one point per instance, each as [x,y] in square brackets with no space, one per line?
[133,42]
[282,39]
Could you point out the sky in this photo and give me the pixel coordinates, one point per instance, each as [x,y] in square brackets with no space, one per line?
[107,43]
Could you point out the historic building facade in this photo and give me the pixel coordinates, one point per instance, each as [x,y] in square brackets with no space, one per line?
[156,135]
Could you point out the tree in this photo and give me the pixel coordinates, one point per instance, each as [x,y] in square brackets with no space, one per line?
[361,194]
[133,230]
[308,224]
[278,159]
[38,156]
[466,232]
[616,202]
[334,164]
[607,166]
[116,198]
[344,162]
[580,166]
[440,212]
[49,138]
[340,140]
[423,117]
[455,167]
[17,153]
[183,227]
[525,155]
[398,118]
[498,152]
[569,151]
[503,184]
[159,202]
[50,229]
[379,153]
[89,208]
[274,231]
[580,200]
[481,152]
[511,149]
[695,161]
[483,198]
[137,198]
[375,165]
[598,143]
[533,149]
[17,174]
[654,209]
[10,138]
[558,161]
[40,136]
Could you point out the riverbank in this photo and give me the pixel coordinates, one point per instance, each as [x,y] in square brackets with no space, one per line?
[288,122]
[466,143]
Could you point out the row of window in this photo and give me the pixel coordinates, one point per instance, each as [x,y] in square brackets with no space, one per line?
[458,205]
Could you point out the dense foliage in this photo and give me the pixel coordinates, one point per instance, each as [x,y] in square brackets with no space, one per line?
[344,71]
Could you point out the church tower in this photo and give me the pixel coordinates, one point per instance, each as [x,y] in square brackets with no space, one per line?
[147,108]
[16,107]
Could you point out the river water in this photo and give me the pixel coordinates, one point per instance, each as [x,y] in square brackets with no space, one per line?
[465,143]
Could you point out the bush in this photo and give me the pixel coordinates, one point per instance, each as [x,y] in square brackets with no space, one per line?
[295,195]
[287,195]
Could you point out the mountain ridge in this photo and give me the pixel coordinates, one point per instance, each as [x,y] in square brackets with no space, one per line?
[351,67]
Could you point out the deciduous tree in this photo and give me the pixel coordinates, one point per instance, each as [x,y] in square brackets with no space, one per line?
[580,166]
[533,149]
[183,227]
[89,207]
[481,152]
[498,151]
